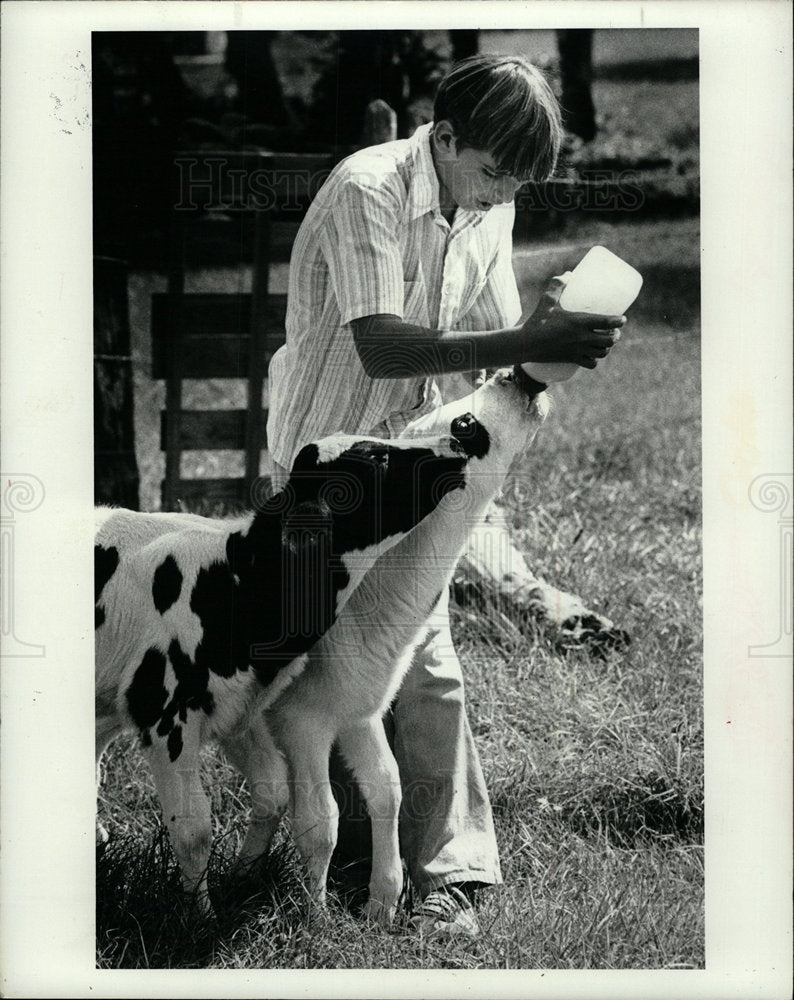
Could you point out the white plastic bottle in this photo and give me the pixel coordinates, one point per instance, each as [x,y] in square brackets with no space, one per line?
[600,283]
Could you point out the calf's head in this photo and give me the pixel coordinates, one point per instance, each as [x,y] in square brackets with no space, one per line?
[366,491]
[347,500]
[494,424]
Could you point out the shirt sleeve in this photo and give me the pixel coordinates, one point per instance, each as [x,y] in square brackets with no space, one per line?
[361,246]
[498,304]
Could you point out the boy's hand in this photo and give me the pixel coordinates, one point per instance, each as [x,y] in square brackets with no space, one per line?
[552,334]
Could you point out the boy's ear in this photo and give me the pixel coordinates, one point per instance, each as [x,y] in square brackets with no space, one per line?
[444,135]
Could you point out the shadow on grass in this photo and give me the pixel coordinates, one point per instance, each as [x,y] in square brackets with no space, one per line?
[627,812]
[145,920]
[649,806]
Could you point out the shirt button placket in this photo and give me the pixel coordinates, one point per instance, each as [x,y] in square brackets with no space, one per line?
[451,285]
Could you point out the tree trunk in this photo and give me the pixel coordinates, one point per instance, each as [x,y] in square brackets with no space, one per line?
[576,70]
[380,124]
[465,42]
[115,468]
[249,59]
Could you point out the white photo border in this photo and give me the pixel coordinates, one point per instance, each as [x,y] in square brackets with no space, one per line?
[48,799]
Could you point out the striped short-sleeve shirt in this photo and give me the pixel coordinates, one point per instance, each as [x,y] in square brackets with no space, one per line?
[374,241]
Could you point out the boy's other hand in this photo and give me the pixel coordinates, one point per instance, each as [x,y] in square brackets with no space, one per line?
[553,334]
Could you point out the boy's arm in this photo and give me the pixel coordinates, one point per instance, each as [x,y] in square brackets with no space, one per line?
[361,248]
[389,347]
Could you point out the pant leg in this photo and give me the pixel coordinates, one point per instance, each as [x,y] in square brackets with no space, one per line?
[492,564]
[491,555]
[446,826]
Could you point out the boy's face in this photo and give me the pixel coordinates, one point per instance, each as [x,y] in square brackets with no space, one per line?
[469,178]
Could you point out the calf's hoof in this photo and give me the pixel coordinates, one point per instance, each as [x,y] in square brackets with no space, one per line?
[201,905]
[245,869]
[382,914]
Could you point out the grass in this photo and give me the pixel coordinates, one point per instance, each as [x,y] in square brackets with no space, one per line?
[594,766]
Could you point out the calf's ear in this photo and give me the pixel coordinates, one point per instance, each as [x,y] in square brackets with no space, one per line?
[303,479]
[306,461]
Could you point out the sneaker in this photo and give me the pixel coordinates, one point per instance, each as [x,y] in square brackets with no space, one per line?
[446,911]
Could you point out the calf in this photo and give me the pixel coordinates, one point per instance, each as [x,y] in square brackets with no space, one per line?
[342,686]
[195,617]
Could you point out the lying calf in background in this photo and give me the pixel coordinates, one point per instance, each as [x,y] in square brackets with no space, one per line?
[195,617]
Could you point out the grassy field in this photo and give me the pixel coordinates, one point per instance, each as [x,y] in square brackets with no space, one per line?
[594,766]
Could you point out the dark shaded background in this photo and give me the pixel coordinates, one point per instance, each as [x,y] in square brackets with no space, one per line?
[156,92]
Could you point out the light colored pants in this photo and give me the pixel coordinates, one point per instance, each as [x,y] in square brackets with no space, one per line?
[446,827]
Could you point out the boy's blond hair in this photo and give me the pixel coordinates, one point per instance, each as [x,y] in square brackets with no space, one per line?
[504,105]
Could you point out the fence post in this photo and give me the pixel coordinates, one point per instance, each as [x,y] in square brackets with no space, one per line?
[380,123]
[115,467]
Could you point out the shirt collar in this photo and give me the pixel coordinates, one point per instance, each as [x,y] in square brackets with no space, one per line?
[424,194]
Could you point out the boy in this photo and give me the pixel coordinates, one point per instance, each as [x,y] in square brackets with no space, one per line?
[402,272]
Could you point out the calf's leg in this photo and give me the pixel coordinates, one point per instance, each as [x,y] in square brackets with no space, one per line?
[305,739]
[367,752]
[258,759]
[105,730]
[186,810]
